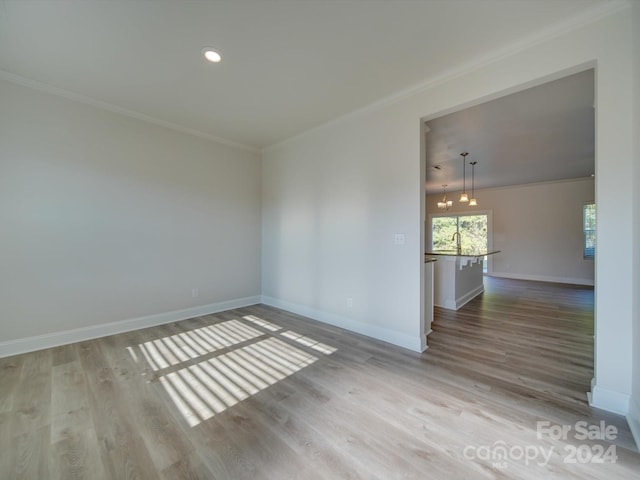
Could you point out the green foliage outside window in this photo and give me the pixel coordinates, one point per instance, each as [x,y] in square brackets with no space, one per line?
[473,232]
[589,230]
[443,230]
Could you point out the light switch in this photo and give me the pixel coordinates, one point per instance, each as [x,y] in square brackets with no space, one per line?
[398,239]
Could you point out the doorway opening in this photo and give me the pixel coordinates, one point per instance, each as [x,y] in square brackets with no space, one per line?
[534,161]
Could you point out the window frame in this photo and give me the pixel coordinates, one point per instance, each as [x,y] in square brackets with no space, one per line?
[589,253]
[456,213]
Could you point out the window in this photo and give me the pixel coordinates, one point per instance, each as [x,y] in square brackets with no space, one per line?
[589,230]
[473,230]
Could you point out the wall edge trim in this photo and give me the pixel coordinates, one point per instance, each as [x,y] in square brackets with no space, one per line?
[55,339]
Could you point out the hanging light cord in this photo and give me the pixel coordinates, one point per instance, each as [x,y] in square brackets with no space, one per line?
[464,176]
[473,178]
[463,196]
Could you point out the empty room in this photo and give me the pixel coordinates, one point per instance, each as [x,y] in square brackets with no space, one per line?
[312,239]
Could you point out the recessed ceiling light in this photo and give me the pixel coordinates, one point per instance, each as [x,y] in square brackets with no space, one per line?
[211,55]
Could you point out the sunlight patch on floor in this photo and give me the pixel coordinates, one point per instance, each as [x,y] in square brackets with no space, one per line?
[255,361]
[172,350]
[309,342]
[262,323]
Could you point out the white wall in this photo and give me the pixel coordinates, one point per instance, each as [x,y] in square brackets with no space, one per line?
[634,411]
[330,212]
[107,218]
[537,228]
[334,197]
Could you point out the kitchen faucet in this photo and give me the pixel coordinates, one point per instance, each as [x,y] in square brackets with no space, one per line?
[458,243]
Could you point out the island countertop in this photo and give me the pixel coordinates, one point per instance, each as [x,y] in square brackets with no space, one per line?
[463,253]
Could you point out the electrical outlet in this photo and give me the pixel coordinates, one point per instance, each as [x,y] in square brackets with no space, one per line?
[349,302]
[194,292]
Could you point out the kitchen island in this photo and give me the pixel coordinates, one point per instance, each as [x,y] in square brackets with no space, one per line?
[457,276]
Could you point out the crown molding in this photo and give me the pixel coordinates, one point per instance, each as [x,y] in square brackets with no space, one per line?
[60,92]
[581,20]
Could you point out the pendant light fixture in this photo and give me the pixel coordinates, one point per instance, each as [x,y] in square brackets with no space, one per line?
[473,202]
[464,198]
[444,204]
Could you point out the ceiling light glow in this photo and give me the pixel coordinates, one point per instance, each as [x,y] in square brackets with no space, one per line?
[211,55]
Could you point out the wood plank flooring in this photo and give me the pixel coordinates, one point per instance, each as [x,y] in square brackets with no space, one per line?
[260,393]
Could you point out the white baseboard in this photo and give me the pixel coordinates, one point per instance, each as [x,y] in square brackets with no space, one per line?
[463,300]
[379,333]
[633,419]
[609,400]
[39,342]
[460,302]
[544,278]
[424,344]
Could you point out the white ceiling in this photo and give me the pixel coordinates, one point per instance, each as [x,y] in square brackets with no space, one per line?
[536,135]
[287,65]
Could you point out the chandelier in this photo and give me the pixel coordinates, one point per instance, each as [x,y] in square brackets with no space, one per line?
[444,204]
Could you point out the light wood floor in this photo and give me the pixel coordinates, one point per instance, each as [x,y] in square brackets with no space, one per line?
[260,393]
